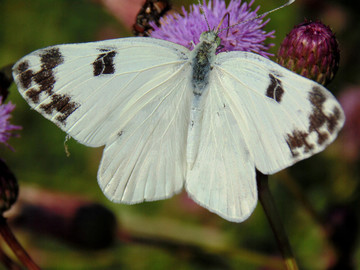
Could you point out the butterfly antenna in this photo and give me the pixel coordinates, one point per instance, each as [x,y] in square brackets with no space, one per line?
[203,12]
[261,15]
[227,14]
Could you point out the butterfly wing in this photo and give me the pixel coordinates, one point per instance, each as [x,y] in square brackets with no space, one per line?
[120,94]
[222,178]
[257,115]
[285,117]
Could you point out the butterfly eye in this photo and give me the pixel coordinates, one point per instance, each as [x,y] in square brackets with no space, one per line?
[218,41]
[203,36]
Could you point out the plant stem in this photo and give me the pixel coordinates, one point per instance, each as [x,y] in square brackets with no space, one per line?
[273,217]
[295,189]
[16,247]
[7,262]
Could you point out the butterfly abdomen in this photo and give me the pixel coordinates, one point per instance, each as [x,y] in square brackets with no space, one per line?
[201,69]
[203,59]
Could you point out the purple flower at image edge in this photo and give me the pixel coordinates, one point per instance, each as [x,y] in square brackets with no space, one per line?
[6,129]
[350,101]
[249,36]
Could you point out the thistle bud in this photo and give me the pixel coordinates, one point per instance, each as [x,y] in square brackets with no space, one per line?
[151,11]
[5,80]
[311,50]
[8,187]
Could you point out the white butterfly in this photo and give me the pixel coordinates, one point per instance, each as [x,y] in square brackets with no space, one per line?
[171,118]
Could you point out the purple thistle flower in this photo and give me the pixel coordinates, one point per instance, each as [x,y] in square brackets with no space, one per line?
[249,36]
[350,101]
[5,127]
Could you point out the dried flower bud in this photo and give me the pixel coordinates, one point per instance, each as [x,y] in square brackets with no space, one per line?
[311,50]
[151,11]
[5,80]
[8,187]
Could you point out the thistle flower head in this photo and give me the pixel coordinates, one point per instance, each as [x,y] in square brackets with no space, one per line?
[350,101]
[6,129]
[187,28]
[311,50]
[5,80]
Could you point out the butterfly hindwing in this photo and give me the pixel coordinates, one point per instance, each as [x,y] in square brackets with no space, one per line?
[120,94]
[284,116]
[223,175]
[147,160]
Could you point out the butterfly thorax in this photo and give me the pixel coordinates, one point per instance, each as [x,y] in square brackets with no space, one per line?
[203,59]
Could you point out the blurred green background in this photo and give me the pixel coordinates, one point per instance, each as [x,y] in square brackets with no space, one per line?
[329,181]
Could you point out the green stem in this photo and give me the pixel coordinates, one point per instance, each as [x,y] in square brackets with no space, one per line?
[16,247]
[273,217]
[295,189]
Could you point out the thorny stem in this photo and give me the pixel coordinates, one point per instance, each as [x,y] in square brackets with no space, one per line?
[273,217]
[16,247]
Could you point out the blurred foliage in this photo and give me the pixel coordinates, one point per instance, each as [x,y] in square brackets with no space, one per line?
[327,180]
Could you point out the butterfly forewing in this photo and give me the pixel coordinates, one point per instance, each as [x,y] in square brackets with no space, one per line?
[79,86]
[283,116]
[118,93]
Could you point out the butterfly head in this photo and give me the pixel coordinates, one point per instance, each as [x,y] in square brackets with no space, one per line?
[210,37]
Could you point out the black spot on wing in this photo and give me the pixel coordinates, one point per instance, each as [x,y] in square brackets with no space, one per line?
[298,139]
[275,89]
[317,120]
[33,94]
[51,58]
[333,120]
[61,104]
[25,74]
[104,63]
[44,79]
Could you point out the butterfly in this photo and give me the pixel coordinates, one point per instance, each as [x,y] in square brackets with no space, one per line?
[151,11]
[171,118]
